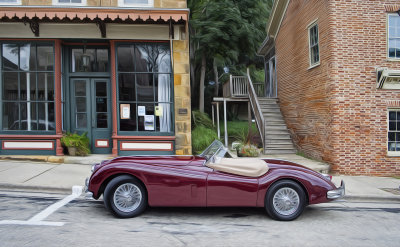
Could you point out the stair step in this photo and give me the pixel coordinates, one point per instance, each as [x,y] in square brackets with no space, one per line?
[278,137]
[262,99]
[273,115]
[286,146]
[275,127]
[271,110]
[276,132]
[280,152]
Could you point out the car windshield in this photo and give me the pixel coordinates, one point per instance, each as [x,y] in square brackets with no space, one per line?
[214,152]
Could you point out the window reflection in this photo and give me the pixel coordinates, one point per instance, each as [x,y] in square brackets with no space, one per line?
[144,81]
[28,87]
[89,60]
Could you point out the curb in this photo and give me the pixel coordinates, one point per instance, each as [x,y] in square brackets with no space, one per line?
[372,198]
[36,158]
[35,188]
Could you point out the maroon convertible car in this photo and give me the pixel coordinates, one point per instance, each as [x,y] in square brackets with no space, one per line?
[130,184]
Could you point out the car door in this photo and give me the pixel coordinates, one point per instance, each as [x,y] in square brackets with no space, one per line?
[177,186]
[225,189]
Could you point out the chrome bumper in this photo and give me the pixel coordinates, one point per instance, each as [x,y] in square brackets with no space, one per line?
[338,193]
[88,194]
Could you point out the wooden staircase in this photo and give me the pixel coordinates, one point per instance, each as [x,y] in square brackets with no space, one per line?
[277,136]
[270,123]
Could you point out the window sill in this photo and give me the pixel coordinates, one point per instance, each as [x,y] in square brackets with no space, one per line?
[393,59]
[313,66]
[393,154]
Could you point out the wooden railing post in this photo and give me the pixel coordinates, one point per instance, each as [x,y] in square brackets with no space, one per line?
[230,85]
[256,108]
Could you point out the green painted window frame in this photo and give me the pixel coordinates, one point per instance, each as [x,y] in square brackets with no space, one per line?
[172,102]
[26,132]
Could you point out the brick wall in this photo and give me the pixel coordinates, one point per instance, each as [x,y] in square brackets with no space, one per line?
[304,93]
[360,123]
[334,110]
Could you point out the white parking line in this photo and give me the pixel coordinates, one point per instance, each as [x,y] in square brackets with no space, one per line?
[38,218]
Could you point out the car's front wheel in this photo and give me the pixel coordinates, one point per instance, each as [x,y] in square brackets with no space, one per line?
[285,200]
[125,197]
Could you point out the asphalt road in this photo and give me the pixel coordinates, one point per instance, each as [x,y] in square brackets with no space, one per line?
[26,220]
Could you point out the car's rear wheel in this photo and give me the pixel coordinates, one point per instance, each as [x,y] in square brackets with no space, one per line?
[285,200]
[125,197]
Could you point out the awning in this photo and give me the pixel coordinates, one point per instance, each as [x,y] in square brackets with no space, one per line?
[36,15]
[391,8]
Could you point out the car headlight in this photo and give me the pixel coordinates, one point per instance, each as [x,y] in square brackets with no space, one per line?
[93,168]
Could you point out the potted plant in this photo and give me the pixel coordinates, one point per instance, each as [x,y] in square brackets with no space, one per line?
[247,150]
[76,144]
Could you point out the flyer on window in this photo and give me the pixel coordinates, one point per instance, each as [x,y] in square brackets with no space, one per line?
[125,111]
[158,111]
[141,110]
[149,122]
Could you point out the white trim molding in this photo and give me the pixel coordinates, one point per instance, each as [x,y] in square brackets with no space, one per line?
[28,145]
[121,3]
[17,2]
[311,63]
[82,3]
[387,38]
[275,20]
[146,146]
[392,143]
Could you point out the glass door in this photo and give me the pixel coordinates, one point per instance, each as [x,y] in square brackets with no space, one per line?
[91,112]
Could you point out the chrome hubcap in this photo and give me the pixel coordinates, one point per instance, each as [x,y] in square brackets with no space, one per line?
[286,201]
[127,197]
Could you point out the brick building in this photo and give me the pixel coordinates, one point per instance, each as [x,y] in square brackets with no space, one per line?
[328,57]
[116,69]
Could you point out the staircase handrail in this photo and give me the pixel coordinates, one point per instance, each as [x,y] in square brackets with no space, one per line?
[256,108]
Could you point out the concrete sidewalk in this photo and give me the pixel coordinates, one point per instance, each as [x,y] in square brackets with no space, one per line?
[50,177]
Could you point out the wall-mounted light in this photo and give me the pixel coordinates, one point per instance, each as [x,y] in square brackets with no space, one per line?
[85,58]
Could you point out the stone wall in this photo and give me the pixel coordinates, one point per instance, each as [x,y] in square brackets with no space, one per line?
[182,97]
[334,110]
[114,3]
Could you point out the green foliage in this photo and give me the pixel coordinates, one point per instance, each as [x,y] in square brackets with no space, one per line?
[202,137]
[229,30]
[80,142]
[238,129]
[201,119]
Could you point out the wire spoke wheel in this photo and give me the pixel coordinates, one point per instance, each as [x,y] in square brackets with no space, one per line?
[286,201]
[127,197]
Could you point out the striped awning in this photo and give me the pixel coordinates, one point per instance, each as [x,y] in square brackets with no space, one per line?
[101,16]
[391,8]
[92,14]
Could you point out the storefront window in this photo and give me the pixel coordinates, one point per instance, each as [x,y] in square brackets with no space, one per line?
[27,87]
[145,87]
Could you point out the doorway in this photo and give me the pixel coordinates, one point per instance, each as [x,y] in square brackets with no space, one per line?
[91,111]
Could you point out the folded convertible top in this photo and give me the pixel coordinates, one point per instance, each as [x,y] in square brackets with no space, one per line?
[248,167]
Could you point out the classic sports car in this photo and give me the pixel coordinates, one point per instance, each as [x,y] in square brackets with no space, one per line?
[130,184]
